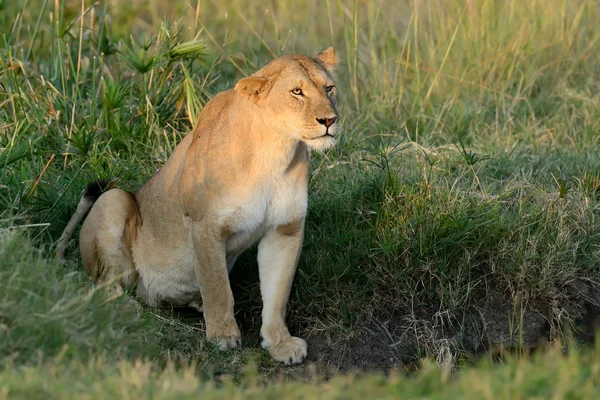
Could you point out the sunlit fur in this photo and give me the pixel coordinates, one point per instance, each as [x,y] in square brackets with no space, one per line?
[239,177]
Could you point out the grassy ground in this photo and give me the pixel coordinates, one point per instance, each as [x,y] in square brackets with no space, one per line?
[550,376]
[59,338]
[459,210]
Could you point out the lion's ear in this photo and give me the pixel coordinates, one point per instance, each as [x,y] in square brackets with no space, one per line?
[329,58]
[251,86]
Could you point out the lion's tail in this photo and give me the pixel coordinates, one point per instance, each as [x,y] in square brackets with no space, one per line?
[91,194]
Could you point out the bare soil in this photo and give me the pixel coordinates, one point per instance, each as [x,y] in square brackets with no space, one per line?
[500,322]
[397,339]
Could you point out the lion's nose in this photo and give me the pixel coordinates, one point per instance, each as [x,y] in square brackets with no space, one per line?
[326,121]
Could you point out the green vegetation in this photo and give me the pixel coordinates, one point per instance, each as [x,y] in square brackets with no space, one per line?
[460,208]
[550,376]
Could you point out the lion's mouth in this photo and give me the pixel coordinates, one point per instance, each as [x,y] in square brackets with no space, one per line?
[327,133]
[323,136]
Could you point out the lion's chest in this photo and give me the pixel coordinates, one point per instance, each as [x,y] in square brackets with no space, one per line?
[248,217]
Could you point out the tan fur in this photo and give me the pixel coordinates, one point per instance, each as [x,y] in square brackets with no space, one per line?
[240,176]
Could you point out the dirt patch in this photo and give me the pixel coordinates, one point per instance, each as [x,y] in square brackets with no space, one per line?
[500,321]
[582,308]
[398,339]
[514,323]
[361,351]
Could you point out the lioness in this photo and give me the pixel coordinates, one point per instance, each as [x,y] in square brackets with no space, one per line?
[240,176]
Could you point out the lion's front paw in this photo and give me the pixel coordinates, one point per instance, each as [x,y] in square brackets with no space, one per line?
[289,351]
[229,342]
[226,338]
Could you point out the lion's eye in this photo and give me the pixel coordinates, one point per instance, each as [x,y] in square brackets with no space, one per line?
[297,92]
[329,88]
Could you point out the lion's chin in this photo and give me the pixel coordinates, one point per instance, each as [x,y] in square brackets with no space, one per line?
[320,143]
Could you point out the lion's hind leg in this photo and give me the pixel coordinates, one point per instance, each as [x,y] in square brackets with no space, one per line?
[106,241]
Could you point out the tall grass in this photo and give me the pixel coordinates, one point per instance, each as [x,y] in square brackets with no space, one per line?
[468,166]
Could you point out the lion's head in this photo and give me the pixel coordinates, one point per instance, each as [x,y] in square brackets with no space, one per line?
[296,95]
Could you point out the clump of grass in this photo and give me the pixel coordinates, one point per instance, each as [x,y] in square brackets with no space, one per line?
[83,107]
[47,311]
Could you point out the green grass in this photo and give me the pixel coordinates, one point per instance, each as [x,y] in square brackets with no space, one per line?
[549,376]
[46,310]
[468,170]
[61,339]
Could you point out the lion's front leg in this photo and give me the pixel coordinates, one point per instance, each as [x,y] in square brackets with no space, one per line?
[278,254]
[213,278]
